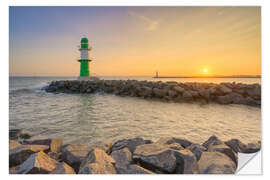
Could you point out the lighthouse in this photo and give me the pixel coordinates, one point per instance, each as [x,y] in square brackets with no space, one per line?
[84,60]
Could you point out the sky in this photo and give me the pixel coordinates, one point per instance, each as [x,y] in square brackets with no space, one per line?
[135,41]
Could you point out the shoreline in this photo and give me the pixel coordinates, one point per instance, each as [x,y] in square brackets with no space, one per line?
[171,91]
[171,155]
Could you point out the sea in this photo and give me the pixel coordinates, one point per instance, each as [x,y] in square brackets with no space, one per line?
[102,118]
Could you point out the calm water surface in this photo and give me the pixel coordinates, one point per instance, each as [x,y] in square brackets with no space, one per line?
[93,118]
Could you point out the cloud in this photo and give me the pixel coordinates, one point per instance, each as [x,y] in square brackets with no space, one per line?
[152,25]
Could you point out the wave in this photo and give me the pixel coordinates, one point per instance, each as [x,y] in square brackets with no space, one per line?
[36,89]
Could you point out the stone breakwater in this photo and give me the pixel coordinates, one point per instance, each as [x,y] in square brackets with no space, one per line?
[223,93]
[127,156]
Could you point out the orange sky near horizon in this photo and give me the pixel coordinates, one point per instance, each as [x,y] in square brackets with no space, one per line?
[137,41]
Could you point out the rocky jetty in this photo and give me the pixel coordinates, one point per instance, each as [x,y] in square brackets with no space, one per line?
[171,155]
[223,93]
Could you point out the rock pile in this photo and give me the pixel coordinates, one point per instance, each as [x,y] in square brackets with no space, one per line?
[128,156]
[223,93]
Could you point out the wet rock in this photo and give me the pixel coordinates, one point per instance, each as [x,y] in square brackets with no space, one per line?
[197,150]
[73,154]
[216,163]
[223,148]
[38,163]
[18,153]
[155,157]
[63,168]
[170,140]
[97,162]
[186,162]
[131,144]
[54,143]
[213,140]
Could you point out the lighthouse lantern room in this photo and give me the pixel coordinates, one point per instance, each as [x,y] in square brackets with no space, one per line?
[84,59]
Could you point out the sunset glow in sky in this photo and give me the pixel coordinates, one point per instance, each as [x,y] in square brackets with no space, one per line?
[136,41]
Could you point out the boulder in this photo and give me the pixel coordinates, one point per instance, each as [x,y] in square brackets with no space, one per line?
[63,168]
[73,154]
[237,146]
[155,157]
[178,89]
[170,140]
[186,162]
[54,143]
[133,169]
[145,91]
[172,93]
[160,93]
[122,157]
[197,150]
[213,140]
[187,96]
[38,163]
[131,144]
[212,90]
[226,99]
[223,148]
[224,89]
[107,147]
[216,163]
[205,94]
[18,153]
[97,162]
[252,147]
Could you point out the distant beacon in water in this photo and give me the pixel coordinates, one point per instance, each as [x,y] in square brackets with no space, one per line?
[84,60]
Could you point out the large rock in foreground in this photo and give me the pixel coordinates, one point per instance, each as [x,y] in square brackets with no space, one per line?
[38,163]
[216,163]
[18,153]
[156,157]
[97,162]
[63,168]
[73,154]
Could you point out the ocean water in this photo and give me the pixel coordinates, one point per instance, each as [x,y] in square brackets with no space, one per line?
[95,118]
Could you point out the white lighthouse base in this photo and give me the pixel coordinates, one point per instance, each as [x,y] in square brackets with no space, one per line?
[87,78]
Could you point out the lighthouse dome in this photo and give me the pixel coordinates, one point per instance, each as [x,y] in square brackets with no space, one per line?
[84,40]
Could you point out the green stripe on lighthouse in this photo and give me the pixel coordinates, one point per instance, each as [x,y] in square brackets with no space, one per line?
[84,68]
[84,61]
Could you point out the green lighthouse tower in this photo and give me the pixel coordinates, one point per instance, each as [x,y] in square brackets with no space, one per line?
[84,60]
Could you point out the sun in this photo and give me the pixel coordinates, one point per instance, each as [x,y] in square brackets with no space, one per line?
[205,70]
